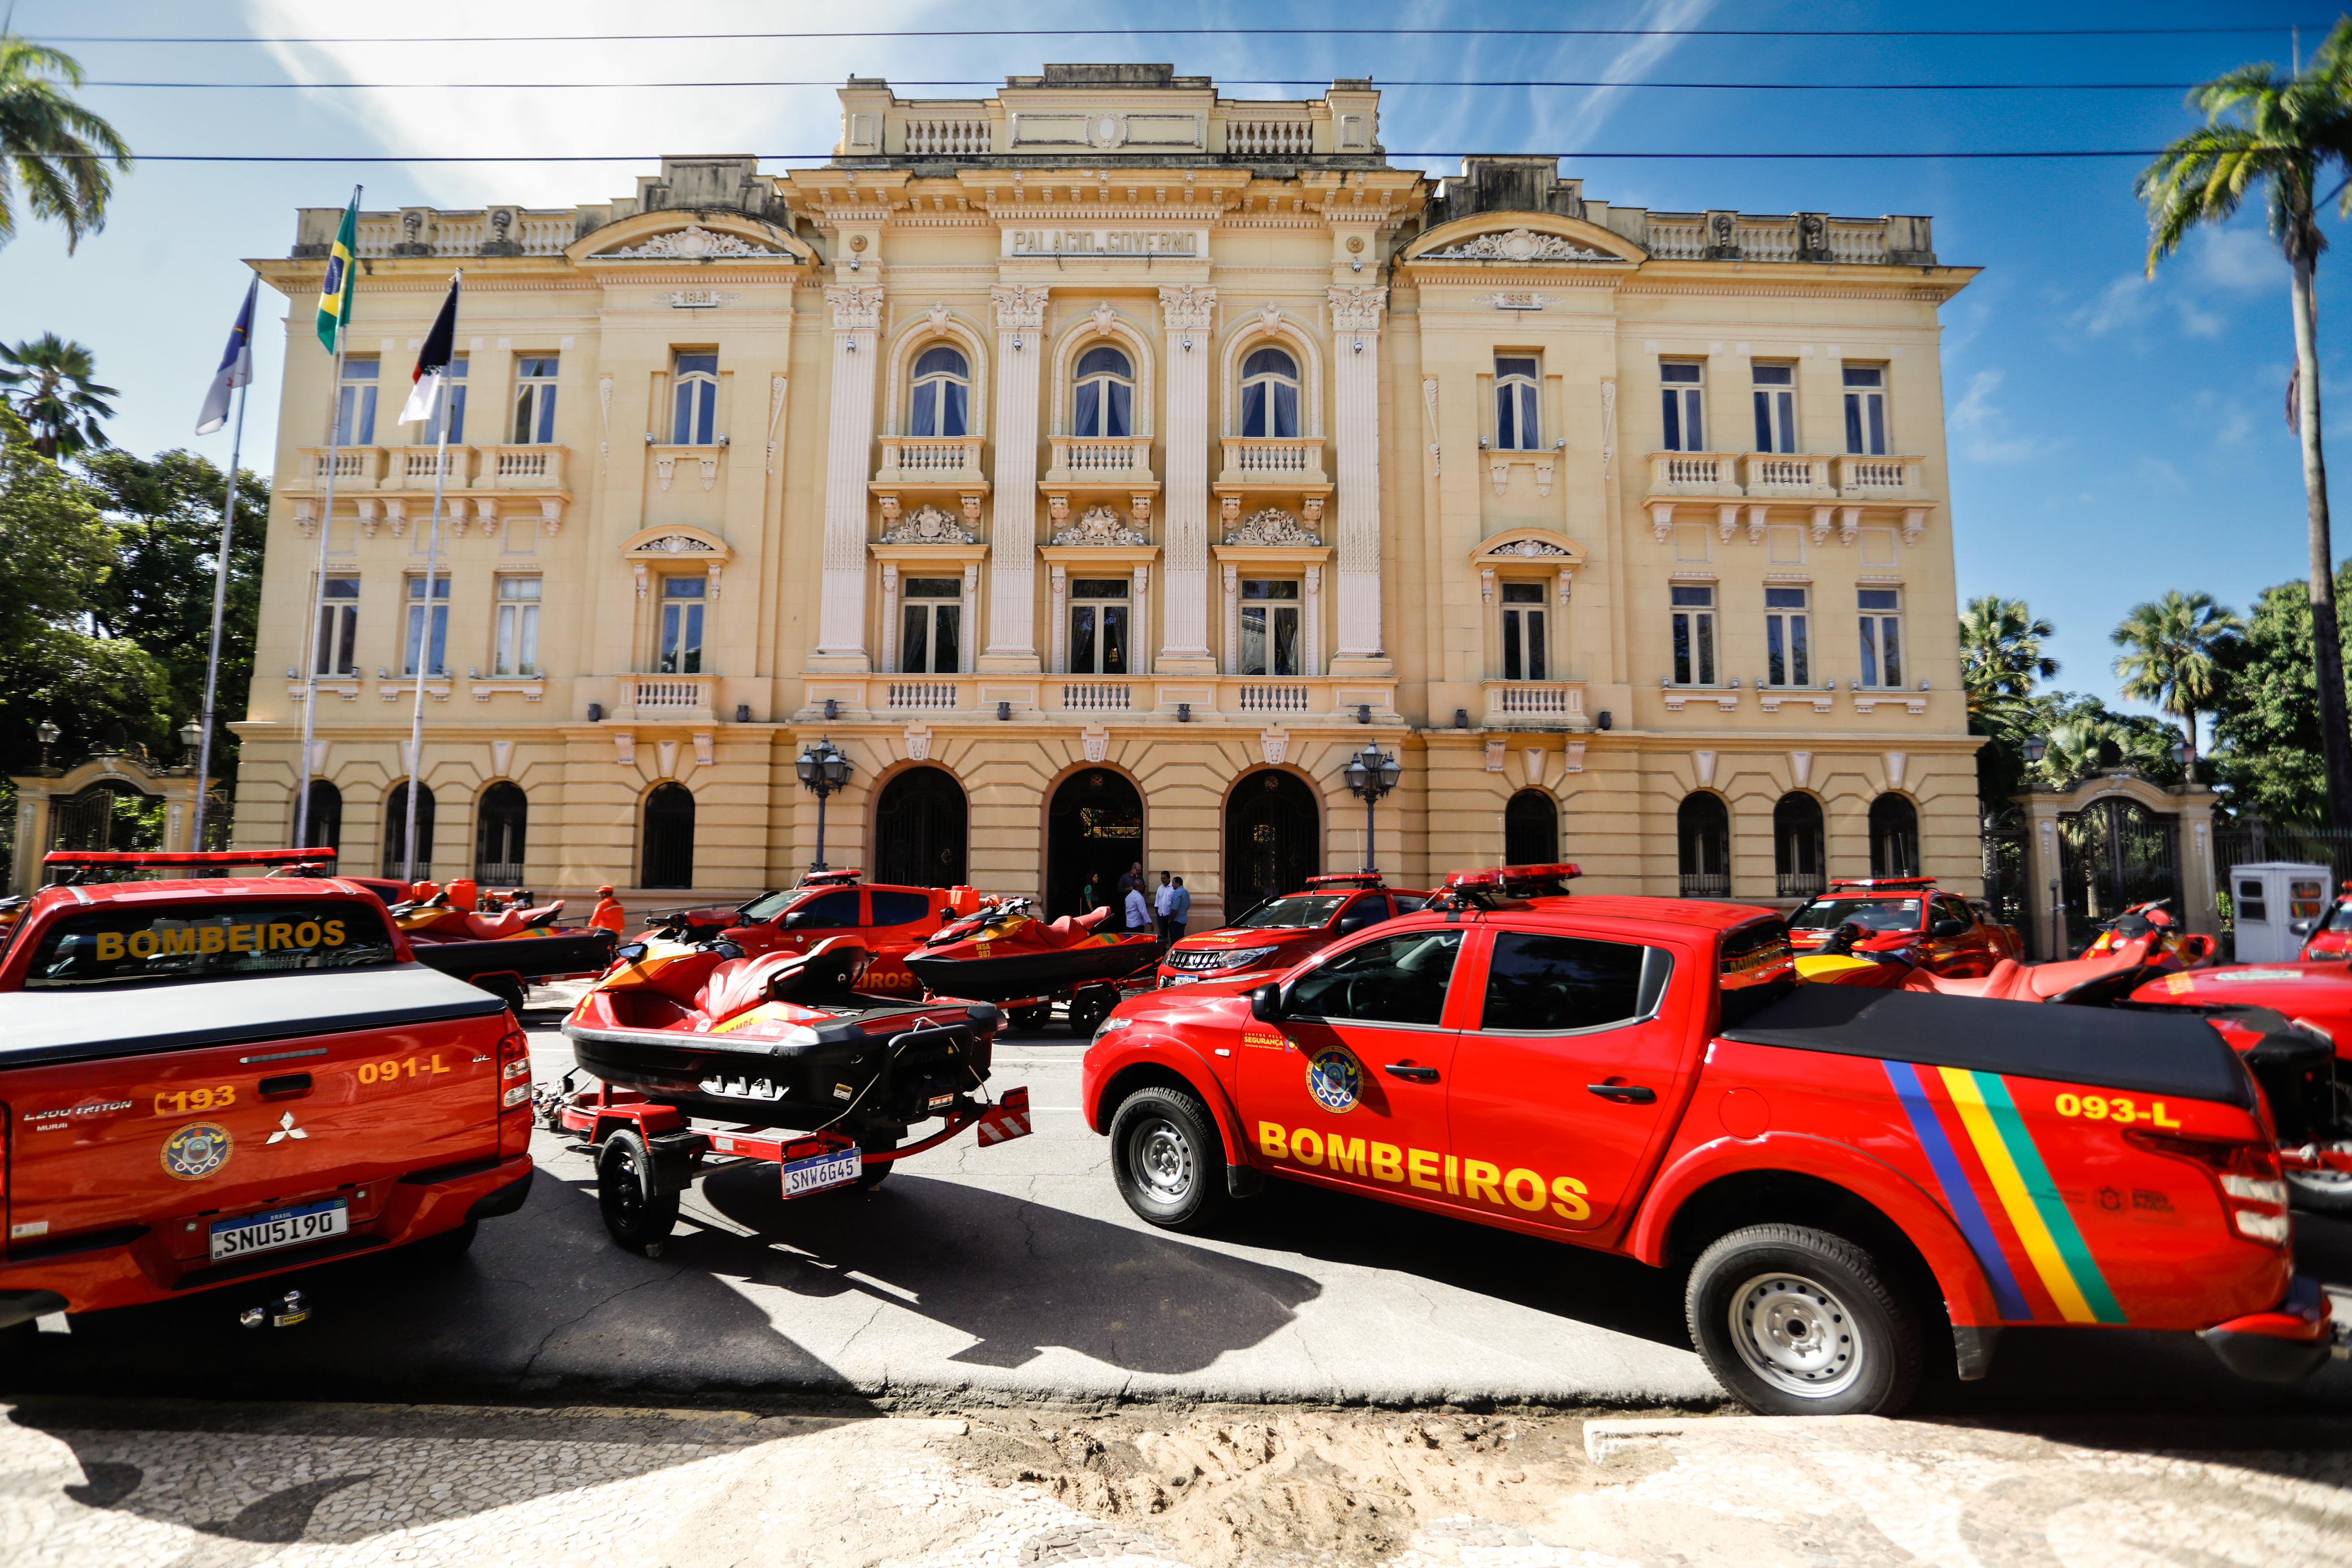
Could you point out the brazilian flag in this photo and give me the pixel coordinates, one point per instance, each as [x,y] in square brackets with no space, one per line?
[335,293]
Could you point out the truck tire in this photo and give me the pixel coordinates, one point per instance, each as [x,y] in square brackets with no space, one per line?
[1036,1017]
[871,1176]
[2320,1192]
[639,1216]
[1089,1005]
[1798,1321]
[508,989]
[449,1247]
[1167,1159]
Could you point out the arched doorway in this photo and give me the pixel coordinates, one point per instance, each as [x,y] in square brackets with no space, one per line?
[921,824]
[395,834]
[1093,829]
[1531,830]
[110,814]
[1797,847]
[500,824]
[325,826]
[669,837]
[1273,838]
[1893,837]
[1703,842]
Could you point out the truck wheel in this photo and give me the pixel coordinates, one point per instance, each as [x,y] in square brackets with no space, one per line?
[1167,1159]
[447,1247]
[1037,1017]
[1797,1322]
[1089,1005]
[2320,1192]
[625,1181]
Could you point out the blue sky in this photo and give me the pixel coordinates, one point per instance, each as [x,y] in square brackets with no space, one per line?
[2110,437]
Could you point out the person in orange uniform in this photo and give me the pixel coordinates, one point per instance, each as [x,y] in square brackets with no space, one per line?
[609,914]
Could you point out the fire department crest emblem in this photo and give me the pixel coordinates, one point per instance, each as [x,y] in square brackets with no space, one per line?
[1335,1080]
[197,1150]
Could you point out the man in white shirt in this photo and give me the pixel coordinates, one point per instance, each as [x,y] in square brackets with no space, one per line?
[1163,904]
[1139,913]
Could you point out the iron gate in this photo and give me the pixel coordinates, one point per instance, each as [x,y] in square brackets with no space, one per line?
[2112,854]
[2008,871]
[919,830]
[1273,839]
[108,815]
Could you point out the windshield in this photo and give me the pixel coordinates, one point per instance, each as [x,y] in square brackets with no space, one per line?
[1292,911]
[768,905]
[1870,914]
[126,944]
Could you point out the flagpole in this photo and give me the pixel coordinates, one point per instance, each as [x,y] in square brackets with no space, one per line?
[220,603]
[441,410]
[318,578]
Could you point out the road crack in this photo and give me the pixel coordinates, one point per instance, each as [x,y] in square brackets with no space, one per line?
[590,1311]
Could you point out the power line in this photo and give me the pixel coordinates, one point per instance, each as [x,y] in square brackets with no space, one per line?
[2038,154]
[2320,25]
[1234,81]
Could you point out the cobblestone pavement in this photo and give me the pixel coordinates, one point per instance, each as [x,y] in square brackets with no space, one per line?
[86,1483]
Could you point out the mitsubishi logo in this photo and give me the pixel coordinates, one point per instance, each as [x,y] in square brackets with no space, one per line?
[287,1129]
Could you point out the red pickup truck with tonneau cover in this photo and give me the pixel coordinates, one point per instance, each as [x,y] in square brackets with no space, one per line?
[1843,1171]
[201,1082]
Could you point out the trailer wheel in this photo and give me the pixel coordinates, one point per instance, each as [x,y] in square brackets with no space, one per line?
[508,989]
[1036,1017]
[638,1215]
[871,1176]
[2320,1192]
[1167,1159]
[1089,1005]
[1798,1321]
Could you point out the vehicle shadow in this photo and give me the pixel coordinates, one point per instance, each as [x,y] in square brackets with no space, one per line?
[1017,1275]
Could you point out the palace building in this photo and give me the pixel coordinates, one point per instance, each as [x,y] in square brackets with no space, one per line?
[1100,466]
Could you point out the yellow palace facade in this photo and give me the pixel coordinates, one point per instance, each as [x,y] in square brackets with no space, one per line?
[1100,466]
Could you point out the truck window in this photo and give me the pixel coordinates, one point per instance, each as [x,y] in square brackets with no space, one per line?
[827,912]
[1399,980]
[899,908]
[1551,984]
[131,944]
[1370,909]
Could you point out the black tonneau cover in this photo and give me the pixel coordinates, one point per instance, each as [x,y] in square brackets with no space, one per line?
[38,1027]
[2136,1050]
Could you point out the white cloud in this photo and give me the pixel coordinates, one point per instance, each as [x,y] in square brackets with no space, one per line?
[2127,302]
[2130,306]
[2242,259]
[1983,428]
[2157,472]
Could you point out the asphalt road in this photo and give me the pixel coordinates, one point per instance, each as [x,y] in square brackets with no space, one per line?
[1016,1271]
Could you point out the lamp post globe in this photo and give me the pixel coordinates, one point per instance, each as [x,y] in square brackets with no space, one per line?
[49,734]
[1370,773]
[822,769]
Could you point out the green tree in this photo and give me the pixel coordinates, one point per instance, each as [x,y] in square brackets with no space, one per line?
[50,145]
[2283,134]
[2001,660]
[2266,734]
[53,390]
[2171,642]
[56,548]
[2084,736]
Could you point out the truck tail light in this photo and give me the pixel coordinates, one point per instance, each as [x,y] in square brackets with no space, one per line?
[2248,1176]
[514,1070]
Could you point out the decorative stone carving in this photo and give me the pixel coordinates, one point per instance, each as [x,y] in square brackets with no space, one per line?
[938,316]
[1608,425]
[1018,308]
[1801,769]
[674,544]
[970,504]
[1190,308]
[1311,509]
[856,310]
[1535,756]
[1101,525]
[918,743]
[1057,507]
[694,242]
[776,388]
[664,470]
[696,298]
[930,525]
[668,750]
[1138,507]
[1895,761]
[1494,749]
[1271,526]
[1229,507]
[1703,763]
[1356,309]
[1270,317]
[1486,586]
[703,739]
[624,748]
[1519,245]
[1531,549]
[890,505]
[710,469]
[1105,317]
[1096,740]
[1662,519]
[1275,745]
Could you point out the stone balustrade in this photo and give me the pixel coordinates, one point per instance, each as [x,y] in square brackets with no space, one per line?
[1552,704]
[1274,461]
[665,697]
[1269,136]
[950,462]
[1786,473]
[1695,473]
[1111,461]
[946,135]
[1887,478]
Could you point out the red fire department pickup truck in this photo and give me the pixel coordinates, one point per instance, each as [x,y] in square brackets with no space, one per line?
[203,1083]
[1843,1171]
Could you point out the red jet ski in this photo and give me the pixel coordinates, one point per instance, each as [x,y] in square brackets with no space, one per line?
[1005,954]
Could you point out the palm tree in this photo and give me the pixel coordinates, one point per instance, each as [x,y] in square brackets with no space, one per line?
[2171,659]
[2281,133]
[55,395]
[2000,650]
[51,145]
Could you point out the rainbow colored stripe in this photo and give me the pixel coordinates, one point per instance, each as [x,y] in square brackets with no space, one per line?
[2027,1215]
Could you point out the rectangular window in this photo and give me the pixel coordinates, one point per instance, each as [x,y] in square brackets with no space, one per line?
[355,403]
[518,628]
[1270,627]
[1523,632]
[1099,626]
[1518,424]
[1865,411]
[438,648]
[1694,608]
[1683,394]
[339,625]
[1882,636]
[1776,408]
[930,626]
[1787,637]
[694,400]
[534,420]
[681,625]
[453,407]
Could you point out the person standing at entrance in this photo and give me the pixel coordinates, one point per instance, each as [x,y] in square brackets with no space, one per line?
[1179,913]
[1091,896]
[1138,912]
[1128,881]
[1163,901]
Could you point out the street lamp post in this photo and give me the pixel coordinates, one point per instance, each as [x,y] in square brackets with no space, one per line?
[823,770]
[49,733]
[1370,773]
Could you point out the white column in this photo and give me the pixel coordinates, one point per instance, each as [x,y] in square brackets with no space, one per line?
[967,633]
[1313,627]
[1139,642]
[1058,624]
[849,448]
[1232,619]
[1012,535]
[890,617]
[1356,326]
[1188,312]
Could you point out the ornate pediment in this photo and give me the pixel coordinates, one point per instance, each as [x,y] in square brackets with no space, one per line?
[929,526]
[674,544]
[1531,549]
[1272,527]
[1518,245]
[694,242]
[1101,525]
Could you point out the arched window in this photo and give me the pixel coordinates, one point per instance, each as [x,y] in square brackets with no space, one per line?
[499,822]
[942,393]
[1893,837]
[695,402]
[669,837]
[1530,829]
[1518,424]
[1269,394]
[395,834]
[1703,839]
[920,826]
[1797,847]
[1106,393]
[326,817]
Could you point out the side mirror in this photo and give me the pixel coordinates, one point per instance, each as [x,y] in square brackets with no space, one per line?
[2302,927]
[1950,928]
[728,949]
[1265,1004]
[628,951]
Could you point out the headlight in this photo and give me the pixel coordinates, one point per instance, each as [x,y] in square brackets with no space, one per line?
[1240,957]
[1112,1026]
